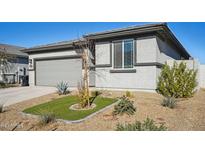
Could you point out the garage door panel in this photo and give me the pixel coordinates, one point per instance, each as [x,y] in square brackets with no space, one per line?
[51,72]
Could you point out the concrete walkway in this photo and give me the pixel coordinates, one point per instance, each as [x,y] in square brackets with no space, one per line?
[14,95]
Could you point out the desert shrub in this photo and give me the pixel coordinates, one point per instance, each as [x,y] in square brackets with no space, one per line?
[125,106]
[128,94]
[177,81]
[46,118]
[2,85]
[147,125]
[1,108]
[169,102]
[62,88]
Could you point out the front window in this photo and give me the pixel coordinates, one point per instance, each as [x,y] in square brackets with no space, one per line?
[123,54]
[128,54]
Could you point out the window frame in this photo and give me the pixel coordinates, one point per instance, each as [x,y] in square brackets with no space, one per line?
[113,54]
[30,63]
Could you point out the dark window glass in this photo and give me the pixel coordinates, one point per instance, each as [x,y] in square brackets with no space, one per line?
[118,55]
[128,54]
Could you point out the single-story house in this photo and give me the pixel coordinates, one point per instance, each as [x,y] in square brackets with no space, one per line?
[125,59]
[17,65]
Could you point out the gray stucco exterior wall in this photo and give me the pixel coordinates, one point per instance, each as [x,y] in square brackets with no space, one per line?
[146,50]
[137,78]
[165,51]
[151,53]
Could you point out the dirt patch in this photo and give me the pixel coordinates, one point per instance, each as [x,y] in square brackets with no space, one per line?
[189,114]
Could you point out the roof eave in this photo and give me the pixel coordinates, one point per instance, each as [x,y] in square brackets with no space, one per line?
[141,30]
[124,32]
[28,50]
[176,41]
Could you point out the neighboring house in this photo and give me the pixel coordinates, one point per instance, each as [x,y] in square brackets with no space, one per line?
[17,64]
[129,58]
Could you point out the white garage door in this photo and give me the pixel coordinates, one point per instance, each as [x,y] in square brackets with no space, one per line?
[51,72]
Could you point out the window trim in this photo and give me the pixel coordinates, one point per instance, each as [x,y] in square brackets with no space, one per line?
[30,63]
[113,54]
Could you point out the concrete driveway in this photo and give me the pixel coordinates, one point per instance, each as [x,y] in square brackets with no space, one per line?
[15,95]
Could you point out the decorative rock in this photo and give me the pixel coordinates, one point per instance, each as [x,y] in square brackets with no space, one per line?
[78,107]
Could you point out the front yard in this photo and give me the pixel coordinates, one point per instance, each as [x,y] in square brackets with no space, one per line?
[61,108]
[189,114]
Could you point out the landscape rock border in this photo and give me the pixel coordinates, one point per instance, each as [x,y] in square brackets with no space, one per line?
[75,107]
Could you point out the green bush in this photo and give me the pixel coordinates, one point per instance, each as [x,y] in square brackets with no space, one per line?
[177,81]
[169,102]
[124,106]
[147,125]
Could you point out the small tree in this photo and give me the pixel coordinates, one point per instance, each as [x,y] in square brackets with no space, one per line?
[177,81]
[85,46]
[5,57]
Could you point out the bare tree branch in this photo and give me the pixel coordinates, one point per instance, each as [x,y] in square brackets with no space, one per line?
[5,61]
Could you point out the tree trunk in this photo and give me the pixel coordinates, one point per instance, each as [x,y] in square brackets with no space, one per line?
[86,76]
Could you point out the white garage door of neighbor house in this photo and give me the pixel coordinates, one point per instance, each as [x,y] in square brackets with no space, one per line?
[51,72]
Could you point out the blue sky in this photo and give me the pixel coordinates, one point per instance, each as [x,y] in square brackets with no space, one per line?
[191,35]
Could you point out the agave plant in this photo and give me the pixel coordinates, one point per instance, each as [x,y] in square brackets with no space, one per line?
[62,88]
[169,102]
[125,106]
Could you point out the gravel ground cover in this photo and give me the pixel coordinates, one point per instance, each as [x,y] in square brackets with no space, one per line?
[189,114]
